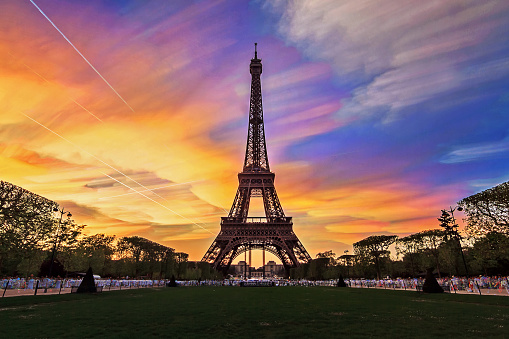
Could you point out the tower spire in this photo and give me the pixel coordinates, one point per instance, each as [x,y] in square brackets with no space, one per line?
[256,159]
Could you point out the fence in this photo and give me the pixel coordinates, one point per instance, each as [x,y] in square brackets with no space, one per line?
[21,286]
[478,285]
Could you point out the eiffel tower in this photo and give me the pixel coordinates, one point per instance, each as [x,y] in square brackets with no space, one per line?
[240,233]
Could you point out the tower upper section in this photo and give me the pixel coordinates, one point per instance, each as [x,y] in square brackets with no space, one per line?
[256,150]
[256,64]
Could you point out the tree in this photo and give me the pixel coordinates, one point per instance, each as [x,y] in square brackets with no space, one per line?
[491,252]
[63,239]
[410,246]
[94,251]
[452,237]
[346,260]
[431,241]
[487,211]
[317,268]
[181,262]
[25,220]
[144,254]
[27,225]
[30,233]
[167,260]
[373,248]
[449,225]
[328,255]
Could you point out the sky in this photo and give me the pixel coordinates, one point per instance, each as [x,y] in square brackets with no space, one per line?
[133,115]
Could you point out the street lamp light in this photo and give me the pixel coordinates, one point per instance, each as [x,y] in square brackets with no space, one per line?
[347,264]
[457,236]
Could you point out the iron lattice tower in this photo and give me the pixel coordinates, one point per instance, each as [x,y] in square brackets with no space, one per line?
[240,233]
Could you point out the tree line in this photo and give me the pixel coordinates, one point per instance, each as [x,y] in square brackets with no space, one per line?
[483,249]
[39,238]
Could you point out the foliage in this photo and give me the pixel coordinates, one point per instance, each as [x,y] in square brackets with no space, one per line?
[32,232]
[145,257]
[375,245]
[326,254]
[410,246]
[487,211]
[346,259]
[329,256]
[26,222]
[94,251]
[374,248]
[491,253]
[452,240]
[432,241]
[29,226]
[317,268]
[448,223]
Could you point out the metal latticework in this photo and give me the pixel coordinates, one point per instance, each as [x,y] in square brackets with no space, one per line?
[256,151]
[272,233]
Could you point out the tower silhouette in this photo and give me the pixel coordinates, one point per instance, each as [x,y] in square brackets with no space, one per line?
[240,233]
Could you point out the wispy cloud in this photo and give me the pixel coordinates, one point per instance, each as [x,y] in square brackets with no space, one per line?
[477,152]
[403,52]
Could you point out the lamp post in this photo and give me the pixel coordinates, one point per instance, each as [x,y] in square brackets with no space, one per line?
[455,234]
[57,240]
[347,264]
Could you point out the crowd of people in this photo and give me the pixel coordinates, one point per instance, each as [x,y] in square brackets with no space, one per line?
[454,283]
[56,283]
[499,284]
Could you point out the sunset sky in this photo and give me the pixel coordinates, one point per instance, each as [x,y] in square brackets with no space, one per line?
[133,115]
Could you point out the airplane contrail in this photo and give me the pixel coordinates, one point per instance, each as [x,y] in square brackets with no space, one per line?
[77,103]
[93,156]
[118,171]
[152,189]
[166,207]
[92,114]
[49,82]
[81,149]
[88,62]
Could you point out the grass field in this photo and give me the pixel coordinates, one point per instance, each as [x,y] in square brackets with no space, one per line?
[255,312]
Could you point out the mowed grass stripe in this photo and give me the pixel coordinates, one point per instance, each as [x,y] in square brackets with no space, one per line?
[284,312]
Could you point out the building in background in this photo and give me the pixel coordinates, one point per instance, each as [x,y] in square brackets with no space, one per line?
[271,269]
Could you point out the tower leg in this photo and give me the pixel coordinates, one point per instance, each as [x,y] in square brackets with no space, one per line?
[249,262]
[263,267]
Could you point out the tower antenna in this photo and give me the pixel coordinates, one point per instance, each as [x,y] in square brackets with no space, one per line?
[256,54]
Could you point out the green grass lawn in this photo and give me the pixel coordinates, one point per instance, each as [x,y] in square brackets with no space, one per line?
[255,312]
